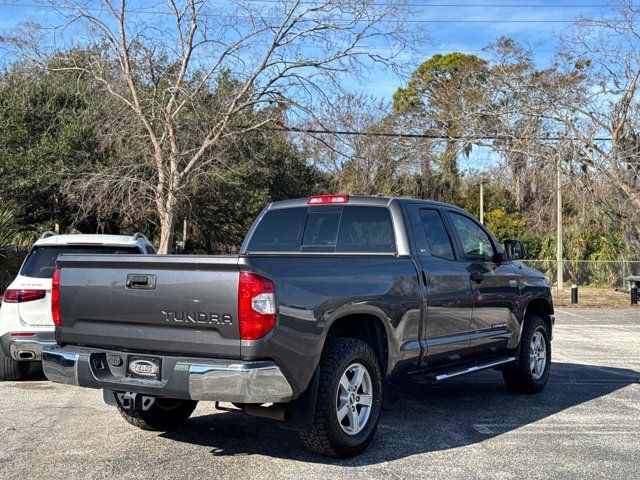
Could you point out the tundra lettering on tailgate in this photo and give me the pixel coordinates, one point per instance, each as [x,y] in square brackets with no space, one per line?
[197,317]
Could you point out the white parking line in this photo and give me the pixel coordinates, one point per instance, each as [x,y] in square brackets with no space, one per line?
[619,326]
[556,428]
[564,312]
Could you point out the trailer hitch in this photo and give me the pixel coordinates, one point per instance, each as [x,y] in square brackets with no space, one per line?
[134,401]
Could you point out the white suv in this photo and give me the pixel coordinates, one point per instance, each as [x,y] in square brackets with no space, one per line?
[25,313]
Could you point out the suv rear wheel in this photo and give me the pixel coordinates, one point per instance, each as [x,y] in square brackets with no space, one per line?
[165,414]
[349,399]
[534,360]
[11,369]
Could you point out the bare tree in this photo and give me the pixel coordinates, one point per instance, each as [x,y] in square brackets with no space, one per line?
[364,161]
[604,114]
[189,76]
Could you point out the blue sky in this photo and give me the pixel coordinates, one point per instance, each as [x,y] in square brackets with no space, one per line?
[450,25]
[470,25]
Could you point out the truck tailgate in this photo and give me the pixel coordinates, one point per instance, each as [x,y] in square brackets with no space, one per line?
[156,303]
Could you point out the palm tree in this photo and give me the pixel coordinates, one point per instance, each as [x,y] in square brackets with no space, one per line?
[8,230]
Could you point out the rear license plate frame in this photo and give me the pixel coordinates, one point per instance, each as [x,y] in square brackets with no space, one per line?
[140,373]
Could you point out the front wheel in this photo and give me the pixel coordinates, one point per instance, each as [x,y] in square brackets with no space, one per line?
[349,400]
[165,414]
[11,369]
[534,360]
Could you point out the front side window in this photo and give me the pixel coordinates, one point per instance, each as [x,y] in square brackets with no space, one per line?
[476,243]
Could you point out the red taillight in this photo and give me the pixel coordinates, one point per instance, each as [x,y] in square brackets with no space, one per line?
[20,296]
[327,199]
[11,296]
[256,306]
[55,298]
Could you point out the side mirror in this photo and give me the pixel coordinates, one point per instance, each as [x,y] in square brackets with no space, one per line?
[515,249]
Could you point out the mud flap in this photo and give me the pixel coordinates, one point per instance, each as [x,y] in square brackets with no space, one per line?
[300,412]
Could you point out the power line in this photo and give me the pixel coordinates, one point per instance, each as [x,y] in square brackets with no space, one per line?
[388,21]
[433,5]
[387,134]
[430,136]
[482,5]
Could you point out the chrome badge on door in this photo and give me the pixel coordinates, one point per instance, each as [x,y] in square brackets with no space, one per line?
[145,367]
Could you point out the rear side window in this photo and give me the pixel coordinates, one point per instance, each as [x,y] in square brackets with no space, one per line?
[346,229]
[438,240]
[41,261]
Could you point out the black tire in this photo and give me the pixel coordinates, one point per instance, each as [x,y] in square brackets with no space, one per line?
[326,436]
[521,379]
[164,415]
[12,370]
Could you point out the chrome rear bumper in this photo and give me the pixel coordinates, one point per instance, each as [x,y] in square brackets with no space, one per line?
[181,377]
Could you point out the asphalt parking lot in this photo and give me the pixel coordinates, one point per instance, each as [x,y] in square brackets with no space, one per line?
[585,424]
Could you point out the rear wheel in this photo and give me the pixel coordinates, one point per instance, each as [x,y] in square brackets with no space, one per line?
[165,414]
[11,369]
[534,361]
[349,400]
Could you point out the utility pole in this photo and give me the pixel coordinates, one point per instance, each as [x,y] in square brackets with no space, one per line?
[184,230]
[482,202]
[481,181]
[559,260]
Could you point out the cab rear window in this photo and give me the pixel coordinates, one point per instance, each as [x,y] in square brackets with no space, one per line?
[345,229]
[41,261]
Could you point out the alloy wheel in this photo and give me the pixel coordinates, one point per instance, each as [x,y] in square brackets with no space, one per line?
[354,399]
[538,355]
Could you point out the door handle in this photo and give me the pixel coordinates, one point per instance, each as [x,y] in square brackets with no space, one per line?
[141,281]
[477,277]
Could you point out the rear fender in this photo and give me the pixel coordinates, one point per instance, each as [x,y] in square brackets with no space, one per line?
[371,311]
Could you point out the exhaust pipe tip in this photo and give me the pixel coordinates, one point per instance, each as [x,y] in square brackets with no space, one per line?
[26,355]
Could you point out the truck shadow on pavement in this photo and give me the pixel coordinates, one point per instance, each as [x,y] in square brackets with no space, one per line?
[35,373]
[420,417]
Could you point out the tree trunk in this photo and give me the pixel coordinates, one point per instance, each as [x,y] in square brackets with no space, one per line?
[167,213]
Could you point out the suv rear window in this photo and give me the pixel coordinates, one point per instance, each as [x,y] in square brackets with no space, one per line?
[41,261]
[346,229]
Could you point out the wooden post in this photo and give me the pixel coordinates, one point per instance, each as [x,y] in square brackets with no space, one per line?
[184,231]
[482,202]
[559,253]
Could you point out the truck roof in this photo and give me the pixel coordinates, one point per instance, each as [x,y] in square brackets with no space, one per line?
[363,200]
[89,239]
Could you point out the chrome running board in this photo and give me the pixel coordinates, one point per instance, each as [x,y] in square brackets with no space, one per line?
[475,368]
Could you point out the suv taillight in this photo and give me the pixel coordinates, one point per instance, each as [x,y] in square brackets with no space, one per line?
[256,306]
[21,296]
[55,298]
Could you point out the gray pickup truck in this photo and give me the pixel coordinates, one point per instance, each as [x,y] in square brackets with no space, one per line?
[327,296]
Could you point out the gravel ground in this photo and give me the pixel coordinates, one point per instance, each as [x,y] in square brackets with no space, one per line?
[586,424]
